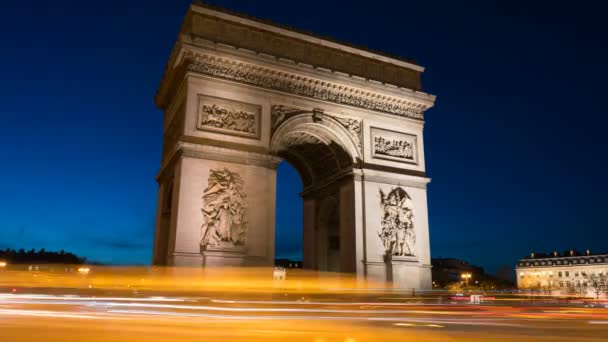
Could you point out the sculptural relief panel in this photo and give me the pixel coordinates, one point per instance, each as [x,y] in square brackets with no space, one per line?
[395,146]
[302,86]
[227,116]
[224,211]
[397,223]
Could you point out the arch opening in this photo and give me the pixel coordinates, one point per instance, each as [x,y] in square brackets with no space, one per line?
[320,158]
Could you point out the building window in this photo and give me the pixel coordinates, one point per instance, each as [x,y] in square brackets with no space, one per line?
[567,273]
[567,284]
[559,274]
[576,274]
[583,274]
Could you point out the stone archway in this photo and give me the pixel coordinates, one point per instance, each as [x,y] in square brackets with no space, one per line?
[239,96]
[325,153]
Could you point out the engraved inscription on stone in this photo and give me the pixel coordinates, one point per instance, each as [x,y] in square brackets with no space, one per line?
[397,234]
[395,146]
[226,116]
[224,210]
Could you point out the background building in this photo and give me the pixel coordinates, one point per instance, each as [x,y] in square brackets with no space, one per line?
[568,273]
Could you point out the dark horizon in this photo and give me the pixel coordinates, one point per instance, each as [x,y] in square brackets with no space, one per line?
[513,145]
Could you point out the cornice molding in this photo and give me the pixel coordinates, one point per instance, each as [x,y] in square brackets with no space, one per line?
[228,155]
[267,78]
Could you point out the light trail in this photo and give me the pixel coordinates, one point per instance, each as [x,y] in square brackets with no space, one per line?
[78,298]
[294,310]
[192,305]
[296,302]
[315,318]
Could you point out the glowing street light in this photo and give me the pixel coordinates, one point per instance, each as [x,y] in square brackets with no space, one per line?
[3,264]
[466,277]
[84,270]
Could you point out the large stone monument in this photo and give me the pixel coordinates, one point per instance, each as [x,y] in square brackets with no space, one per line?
[239,96]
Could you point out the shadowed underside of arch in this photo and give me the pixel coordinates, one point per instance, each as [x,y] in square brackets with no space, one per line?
[318,151]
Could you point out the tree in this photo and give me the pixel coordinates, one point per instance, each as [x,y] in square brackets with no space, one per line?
[551,285]
[597,283]
[455,287]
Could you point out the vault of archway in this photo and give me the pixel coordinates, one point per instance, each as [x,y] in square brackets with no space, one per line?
[316,144]
[316,157]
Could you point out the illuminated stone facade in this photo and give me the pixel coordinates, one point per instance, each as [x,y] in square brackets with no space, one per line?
[563,274]
[239,96]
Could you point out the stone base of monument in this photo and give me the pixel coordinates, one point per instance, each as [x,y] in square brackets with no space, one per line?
[225,254]
[403,271]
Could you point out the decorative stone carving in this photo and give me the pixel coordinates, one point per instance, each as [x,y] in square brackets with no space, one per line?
[224,211]
[300,138]
[353,126]
[395,146]
[280,113]
[397,234]
[226,116]
[300,85]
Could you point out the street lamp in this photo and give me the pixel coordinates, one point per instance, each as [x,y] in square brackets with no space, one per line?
[466,277]
[3,264]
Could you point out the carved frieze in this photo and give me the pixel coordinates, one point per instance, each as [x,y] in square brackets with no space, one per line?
[302,86]
[224,211]
[391,145]
[227,116]
[397,223]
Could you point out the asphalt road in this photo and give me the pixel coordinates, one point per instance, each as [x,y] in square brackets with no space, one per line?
[294,317]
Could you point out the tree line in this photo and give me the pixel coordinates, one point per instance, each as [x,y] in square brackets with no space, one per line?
[41,256]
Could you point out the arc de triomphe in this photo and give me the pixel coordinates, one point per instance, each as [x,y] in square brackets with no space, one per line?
[239,96]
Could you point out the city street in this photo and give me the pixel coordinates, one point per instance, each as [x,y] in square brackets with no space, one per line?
[35,317]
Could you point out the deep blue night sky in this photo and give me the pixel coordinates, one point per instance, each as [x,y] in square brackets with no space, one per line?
[516,144]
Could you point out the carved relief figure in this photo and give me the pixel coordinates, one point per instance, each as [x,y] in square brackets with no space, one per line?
[392,145]
[228,116]
[280,113]
[224,210]
[397,234]
[353,126]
